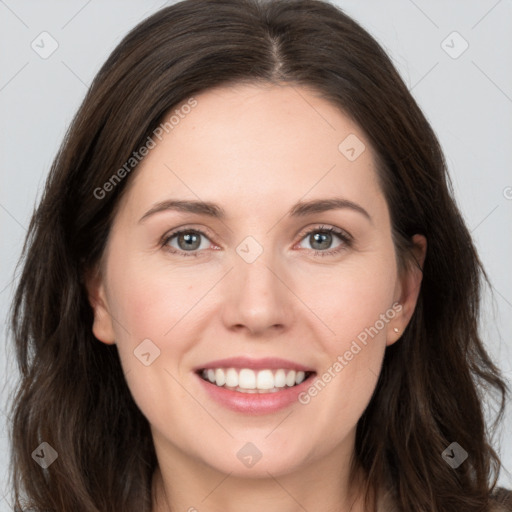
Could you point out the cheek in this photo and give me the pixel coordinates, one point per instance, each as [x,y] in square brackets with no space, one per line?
[150,312]
[359,310]
[154,300]
[351,298]
[149,307]
[149,299]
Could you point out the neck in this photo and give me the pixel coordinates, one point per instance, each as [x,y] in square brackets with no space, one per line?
[193,487]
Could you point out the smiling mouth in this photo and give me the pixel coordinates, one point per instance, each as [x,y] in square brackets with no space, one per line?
[246,380]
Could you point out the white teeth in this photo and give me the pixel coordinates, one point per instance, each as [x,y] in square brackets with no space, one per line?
[290,378]
[265,380]
[220,377]
[231,378]
[247,380]
[280,379]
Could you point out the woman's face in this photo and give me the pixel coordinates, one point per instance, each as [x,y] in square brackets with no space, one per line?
[255,295]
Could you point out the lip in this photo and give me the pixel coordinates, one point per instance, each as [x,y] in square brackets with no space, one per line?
[254,403]
[270,363]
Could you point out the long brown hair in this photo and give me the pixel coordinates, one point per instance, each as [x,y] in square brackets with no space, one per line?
[72,393]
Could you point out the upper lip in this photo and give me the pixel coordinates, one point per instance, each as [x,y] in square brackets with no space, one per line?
[271,363]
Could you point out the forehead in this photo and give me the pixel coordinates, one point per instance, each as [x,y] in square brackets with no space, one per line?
[257,144]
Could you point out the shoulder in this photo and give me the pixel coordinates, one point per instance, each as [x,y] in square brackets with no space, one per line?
[501,500]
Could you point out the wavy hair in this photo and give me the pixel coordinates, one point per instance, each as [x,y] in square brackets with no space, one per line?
[72,393]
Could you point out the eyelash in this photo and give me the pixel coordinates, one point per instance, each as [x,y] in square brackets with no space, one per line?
[343,235]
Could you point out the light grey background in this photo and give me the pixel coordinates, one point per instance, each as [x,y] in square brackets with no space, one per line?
[467,99]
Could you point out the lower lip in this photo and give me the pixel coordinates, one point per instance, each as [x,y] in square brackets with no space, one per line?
[255,403]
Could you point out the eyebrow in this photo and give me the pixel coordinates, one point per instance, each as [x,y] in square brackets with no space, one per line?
[300,209]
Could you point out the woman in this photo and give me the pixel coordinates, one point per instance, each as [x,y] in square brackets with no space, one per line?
[247,285]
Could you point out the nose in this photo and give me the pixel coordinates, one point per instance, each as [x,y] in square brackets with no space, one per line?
[258,299]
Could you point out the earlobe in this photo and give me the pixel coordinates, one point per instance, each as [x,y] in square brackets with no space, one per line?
[408,288]
[102,327]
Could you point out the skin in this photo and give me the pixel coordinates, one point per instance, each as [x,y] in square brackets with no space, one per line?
[256,151]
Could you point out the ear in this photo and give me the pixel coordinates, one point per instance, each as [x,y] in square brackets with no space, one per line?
[408,288]
[102,326]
